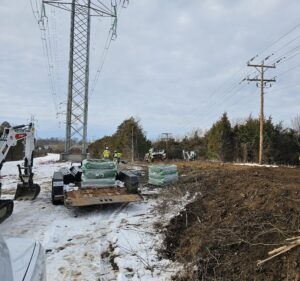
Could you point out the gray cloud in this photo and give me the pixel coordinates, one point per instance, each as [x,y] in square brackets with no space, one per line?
[165,66]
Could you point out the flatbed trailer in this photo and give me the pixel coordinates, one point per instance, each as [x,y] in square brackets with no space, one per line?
[98,196]
[76,196]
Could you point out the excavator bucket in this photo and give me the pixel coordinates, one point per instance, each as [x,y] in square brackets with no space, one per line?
[6,209]
[27,191]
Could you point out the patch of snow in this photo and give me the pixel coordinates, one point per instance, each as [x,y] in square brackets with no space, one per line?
[137,168]
[256,165]
[113,242]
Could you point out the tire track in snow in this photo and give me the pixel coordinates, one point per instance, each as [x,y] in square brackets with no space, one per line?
[106,270]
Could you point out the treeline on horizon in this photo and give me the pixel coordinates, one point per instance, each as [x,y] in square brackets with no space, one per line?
[222,142]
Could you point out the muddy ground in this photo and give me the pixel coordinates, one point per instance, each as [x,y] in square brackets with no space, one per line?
[239,215]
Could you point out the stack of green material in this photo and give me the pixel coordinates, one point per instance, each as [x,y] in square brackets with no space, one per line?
[163,174]
[98,173]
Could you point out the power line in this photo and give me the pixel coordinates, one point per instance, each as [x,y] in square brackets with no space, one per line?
[289,86]
[280,38]
[288,70]
[209,97]
[50,66]
[110,37]
[234,87]
[103,5]
[47,51]
[102,61]
[285,45]
[212,109]
[291,51]
[34,12]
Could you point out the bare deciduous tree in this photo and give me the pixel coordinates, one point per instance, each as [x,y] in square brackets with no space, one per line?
[296,127]
[296,124]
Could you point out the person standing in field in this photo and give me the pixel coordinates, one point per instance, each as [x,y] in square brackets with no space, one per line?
[106,153]
[117,156]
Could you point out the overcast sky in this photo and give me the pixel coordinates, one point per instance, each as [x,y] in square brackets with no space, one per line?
[176,65]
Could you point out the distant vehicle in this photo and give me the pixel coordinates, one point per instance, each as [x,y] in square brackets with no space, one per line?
[155,155]
[189,155]
[21,260]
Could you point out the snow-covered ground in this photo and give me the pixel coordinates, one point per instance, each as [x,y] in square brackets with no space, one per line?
[257,165]
[113,242]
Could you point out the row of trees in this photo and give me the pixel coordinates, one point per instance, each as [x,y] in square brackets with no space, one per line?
[240,143]
[223,142]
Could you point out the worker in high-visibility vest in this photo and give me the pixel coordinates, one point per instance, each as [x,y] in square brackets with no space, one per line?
[106,153]
[117,156]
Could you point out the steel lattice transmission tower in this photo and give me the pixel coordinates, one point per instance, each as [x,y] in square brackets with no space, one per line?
[78,84]
[77,103]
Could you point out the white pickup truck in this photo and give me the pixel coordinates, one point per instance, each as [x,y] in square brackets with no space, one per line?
[21,260]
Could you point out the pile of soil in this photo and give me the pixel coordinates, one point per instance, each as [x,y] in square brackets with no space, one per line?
[239,215]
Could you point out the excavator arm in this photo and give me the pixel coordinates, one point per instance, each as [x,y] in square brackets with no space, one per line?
[26,189]
[11,136]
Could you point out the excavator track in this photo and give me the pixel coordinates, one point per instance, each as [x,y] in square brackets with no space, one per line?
[6,209]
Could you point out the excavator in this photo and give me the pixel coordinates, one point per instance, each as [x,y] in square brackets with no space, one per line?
[26,188]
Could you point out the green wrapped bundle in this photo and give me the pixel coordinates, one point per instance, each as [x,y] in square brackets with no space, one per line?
[107,182]
[100,164]
[163,174]
[163,169]
[167,179]
[99,174]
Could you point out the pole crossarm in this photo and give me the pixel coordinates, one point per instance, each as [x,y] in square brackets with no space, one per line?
[259,80]
[262,65]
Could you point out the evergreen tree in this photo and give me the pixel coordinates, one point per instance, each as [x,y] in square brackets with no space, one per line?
[247,140]
[280,145]
[130,132]
[127,133]
[220,141]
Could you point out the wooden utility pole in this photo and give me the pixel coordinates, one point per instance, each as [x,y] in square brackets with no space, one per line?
[132,146]
[263,82]
[166,138]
